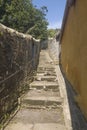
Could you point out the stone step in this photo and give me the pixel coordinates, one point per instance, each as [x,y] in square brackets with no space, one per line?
[45,78]
[41,92]
[27,119]
[42,101]
[45,68]
[40,126]
[46,74]
[45,71]
[50,126]
[43,85]
[50,74]
[40,107]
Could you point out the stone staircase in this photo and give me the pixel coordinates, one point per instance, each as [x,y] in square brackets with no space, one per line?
[41,107]
[43,93]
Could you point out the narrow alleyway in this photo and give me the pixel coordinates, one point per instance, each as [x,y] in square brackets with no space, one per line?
[41,107]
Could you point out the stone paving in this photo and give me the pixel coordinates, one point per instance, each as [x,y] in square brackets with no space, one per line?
[42,106]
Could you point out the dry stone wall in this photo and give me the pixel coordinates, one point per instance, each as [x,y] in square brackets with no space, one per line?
[54,49]
[44,44]
[19,56]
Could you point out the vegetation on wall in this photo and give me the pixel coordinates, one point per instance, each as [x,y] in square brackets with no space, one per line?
[23,16]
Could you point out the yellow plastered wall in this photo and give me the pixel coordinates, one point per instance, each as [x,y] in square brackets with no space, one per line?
[74,51]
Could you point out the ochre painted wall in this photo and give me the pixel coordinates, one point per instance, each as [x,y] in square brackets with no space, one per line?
[74,51]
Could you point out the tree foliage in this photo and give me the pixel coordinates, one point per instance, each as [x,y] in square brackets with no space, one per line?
[24,17]
[52,32]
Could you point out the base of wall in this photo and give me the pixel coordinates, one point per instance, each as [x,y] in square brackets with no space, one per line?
[77,117]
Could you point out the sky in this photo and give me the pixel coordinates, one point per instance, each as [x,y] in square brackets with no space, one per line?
[55,11]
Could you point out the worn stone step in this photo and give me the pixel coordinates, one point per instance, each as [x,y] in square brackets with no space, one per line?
[43,85]
[40,107]
[40,126]
[43,101]
[27,119]
[50,74]
[46,74]
[41,92]
[46,71]
[45,78]
[34,116]
[50,126]
[46,68]
[43,68]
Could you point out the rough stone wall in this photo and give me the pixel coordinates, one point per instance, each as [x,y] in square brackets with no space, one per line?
[44,44]
[54,49]
[19,56]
